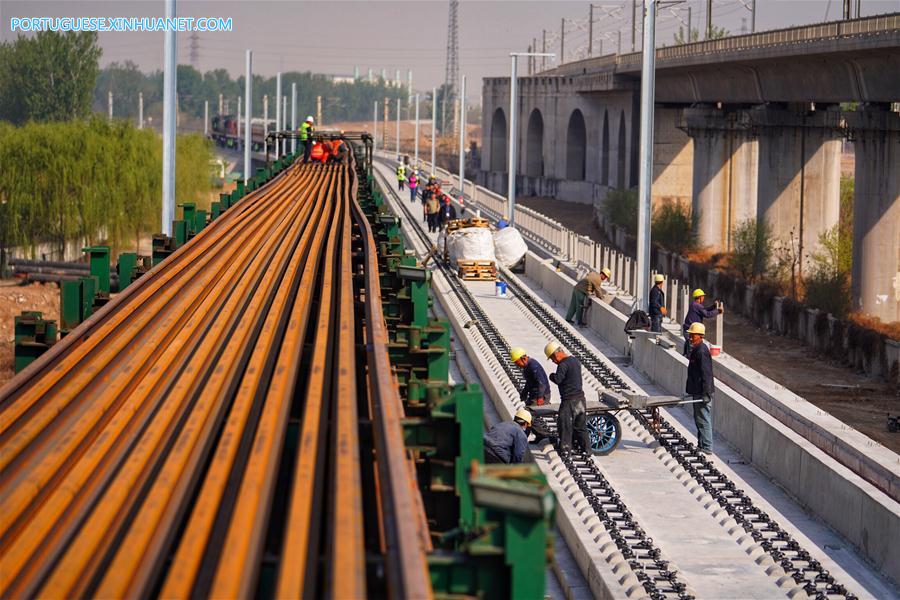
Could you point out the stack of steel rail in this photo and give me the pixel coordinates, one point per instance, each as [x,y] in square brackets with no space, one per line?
[200,435]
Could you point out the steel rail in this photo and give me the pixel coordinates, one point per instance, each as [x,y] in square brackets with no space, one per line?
[405,536]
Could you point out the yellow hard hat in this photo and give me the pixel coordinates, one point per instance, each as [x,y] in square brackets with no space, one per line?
[659,277]
[551,348]
[516,353]
[524,415]
[606,272]
[698,292]
[698,328]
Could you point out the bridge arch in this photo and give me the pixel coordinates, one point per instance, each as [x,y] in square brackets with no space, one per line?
[534,145]
[576,146]
[498,141]
[621,157]
[604,150]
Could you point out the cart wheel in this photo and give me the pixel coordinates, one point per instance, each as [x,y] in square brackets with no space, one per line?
[605,433]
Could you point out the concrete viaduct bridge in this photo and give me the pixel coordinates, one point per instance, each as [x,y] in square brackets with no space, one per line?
[746,126]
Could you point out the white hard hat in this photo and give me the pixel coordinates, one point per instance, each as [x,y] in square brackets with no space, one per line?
[523,415]
[698,328]
[310,119]
[551,348]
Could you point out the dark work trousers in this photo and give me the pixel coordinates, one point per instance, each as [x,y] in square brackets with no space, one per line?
[433,222]
[307,149]
[572,419]
[490,458]
[703,421]
[656,323]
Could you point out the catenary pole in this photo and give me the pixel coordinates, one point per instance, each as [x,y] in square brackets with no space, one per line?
[205,118]
[645,195]
[375,128]
[279,124]
[398,128]
[248,113]
[462,136]
[293,117]
[433,126]
[513,121]
[140,110]
[169,91]
[416,161]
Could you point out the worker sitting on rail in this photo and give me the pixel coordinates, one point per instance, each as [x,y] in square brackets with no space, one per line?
[572,416]
[590,284]
[401,176]
[696,313]
[507,441]
[537,387]
[306,137]
[657,303]
[413,182]
[700,385]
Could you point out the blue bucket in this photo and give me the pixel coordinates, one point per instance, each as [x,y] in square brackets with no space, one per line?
[500,288]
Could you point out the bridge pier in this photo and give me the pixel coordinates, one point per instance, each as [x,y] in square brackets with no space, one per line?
[799,174]
[724,177]
[876,212]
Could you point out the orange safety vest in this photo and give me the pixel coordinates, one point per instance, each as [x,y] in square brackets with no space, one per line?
[317,151]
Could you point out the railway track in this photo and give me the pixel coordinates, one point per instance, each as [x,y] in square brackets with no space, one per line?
[201,434]
[796,569]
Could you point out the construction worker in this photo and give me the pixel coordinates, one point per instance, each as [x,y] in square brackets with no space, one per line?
[657,303]
[696,313]
[572,415]
[401,176]
[413,182]
[507,441]
[700,385]
[503,223]
[537,387]
[589,285]
[306,137]
[432,212]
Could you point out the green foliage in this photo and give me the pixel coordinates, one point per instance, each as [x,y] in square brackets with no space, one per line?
[621,207]
[48,77]
[827,287]
[752,249]
[340,101]
[673,229]
[680,36]
[89,180]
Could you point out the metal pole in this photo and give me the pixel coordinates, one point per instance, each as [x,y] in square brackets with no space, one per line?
[633,24]
[690,38]
[645,196]
[511,167]
[266,122]
[753,15]
[206,118]
[248,112]
[279,125]
[169,100]
[293,116]
[140,110]
[543,51]
[433,126]
[398,128]
[416,161]
[375,128]
[709,24]
[240,112]
[591,30]
[562,41]
[109,104]
[462,136]
[220,103]
[619,46]
[319,111]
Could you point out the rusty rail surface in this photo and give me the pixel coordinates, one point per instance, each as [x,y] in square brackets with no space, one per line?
[199,436]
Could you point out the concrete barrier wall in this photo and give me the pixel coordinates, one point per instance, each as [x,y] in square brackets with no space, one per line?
[864,515]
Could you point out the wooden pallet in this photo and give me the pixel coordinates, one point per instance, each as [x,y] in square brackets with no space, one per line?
[477,270]
[463,223]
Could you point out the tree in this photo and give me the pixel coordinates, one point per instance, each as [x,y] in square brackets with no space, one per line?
[752,248]
[715,34]
[48,77]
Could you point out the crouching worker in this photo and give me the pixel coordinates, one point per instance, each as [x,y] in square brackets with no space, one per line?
[507,441]
[572,416]
[537,386]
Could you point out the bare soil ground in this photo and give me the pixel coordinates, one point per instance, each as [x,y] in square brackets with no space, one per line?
[859,401]
[15,298]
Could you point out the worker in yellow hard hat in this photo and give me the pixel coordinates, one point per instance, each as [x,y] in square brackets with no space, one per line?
[657,304]
[537,386]
[590,284]
[696,313]
[700,385]
[507,441]
[572,416]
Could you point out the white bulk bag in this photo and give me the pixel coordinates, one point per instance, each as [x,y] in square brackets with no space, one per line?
[509,247]
[470,243]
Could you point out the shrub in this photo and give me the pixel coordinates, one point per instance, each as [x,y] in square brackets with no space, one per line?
[672,228]
[621,207]
[752,249]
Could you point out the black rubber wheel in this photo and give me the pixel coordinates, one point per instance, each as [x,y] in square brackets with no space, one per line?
[605,432]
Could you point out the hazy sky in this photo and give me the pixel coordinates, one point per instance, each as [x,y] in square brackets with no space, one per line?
[334,36]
